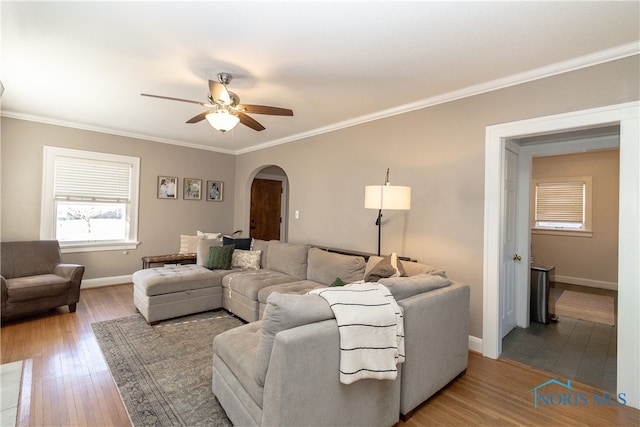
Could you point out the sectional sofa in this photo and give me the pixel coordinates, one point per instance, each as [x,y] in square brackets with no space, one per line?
[281,368]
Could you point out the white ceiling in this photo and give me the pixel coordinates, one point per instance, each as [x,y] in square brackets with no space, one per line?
[84,64]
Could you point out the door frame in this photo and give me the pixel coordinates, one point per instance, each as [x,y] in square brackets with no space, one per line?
[627,116]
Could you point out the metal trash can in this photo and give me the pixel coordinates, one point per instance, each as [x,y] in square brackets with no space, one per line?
[541,278]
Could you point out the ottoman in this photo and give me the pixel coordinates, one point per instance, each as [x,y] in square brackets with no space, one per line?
[173,291]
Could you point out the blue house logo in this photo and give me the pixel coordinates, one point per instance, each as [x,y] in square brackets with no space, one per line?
[547,398]
[568,396]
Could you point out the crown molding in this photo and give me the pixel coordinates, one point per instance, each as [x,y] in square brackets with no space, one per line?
[585,61]
[596,58]
[117,132]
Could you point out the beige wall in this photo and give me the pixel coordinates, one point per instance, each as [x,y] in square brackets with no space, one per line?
[439,152]
[587,259]
[160,221]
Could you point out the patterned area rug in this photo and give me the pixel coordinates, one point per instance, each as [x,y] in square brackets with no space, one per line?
[163,372]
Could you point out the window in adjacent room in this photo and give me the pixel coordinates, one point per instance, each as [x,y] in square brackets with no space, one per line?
[90,200]
[562,205]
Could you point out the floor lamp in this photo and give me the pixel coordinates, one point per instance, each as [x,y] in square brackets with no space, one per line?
[386,197]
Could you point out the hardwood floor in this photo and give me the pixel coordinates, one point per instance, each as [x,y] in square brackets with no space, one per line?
[70,383]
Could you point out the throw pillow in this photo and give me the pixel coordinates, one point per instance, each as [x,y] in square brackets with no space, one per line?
[220,257]
[206,235]
[246,259]
[389,266]
[242,243]
[188,244]
[202,254]
[338,282]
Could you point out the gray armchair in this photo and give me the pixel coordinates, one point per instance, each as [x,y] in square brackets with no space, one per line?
[34,278]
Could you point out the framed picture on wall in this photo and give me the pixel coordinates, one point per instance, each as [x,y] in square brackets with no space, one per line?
[214,191]
[192,189]
[167,186]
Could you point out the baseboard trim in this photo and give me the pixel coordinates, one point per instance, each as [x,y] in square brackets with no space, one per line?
[105,281]
[587,282]
[475,344]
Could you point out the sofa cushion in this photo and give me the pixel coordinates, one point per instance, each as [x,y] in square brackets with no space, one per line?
[405,287]
[300,287]
[286,311]
[202,253]
[220,257]
[36,287]
[324,267]
[288,258]
[237,348]
[178,278]
[248,282]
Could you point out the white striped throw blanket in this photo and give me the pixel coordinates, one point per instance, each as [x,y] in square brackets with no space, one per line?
[371,330]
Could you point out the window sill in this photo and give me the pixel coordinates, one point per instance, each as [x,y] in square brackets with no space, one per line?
[67,248]
[562,232]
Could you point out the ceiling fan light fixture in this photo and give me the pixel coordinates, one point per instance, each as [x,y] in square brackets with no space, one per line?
[222,120]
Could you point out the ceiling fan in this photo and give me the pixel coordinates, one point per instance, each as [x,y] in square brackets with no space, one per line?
[224,110]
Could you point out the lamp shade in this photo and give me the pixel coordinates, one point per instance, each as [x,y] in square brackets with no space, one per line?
[222,120]
[387,197]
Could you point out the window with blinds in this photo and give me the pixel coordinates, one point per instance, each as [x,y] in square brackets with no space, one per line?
[90,199]
[563,203]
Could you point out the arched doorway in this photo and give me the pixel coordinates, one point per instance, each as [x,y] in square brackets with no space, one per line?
[267,215]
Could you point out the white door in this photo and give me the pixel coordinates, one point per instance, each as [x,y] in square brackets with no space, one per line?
[509,246]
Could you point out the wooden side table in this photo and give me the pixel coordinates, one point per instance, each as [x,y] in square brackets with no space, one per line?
[168,259]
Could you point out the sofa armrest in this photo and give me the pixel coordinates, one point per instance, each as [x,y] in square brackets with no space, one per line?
[436,327]
[303,386]
[71,272]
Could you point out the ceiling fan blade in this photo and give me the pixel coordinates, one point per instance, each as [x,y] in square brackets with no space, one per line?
[249,121]
[175,99]
[264,109]
[219,92]
[200,117]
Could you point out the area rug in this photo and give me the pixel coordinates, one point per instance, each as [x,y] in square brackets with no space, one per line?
[585,306]
[163,372]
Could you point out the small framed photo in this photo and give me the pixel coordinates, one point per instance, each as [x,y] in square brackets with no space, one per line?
[214,191]
[167,186]
[192,189]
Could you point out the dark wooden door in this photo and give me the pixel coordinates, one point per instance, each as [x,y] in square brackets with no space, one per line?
[266,199]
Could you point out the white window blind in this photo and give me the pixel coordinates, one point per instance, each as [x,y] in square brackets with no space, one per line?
[84,179]
[560,202]
[562,205]
[89,199]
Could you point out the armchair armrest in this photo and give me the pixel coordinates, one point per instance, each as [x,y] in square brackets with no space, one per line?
[71,272]
[5,295]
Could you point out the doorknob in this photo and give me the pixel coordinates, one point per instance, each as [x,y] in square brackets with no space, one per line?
[516,257]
